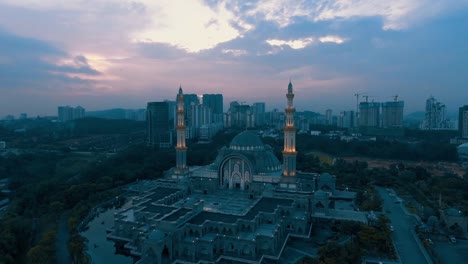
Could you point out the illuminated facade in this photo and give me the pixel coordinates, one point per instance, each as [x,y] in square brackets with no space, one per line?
[181,149]
[289,151]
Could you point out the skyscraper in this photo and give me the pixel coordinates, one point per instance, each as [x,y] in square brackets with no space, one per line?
[239,115]
[328,115]
[392,114]
[369,114]
[463,121]
[215,103]
[435,115]
[199,115]
[160,123]
[346,119]
[289,151]
[258,110]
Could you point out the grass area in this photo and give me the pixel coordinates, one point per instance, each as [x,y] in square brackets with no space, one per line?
[323,157]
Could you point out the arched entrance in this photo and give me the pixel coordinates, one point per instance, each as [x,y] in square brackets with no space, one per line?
[235,172]
[237,181]
[165,255]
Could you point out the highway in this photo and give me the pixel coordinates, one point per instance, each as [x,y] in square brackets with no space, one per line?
[406,245]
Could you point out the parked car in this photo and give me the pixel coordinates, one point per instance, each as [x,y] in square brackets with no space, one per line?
[452,239]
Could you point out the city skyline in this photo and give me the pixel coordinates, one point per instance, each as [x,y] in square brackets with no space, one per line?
[104,55]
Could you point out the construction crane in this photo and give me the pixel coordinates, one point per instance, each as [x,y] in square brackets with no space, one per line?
[367,98]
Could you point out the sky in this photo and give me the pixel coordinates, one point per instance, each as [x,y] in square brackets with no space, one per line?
[104,54]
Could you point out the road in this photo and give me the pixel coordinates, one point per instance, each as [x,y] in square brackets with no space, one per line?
[63,256]
[405,242]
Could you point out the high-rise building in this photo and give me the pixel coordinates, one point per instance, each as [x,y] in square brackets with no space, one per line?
[78,112]
[200,115]
[435,115]
[463,121]
[289,151]
[258,110]
[67,113]
[239,115]
[160,118]
[329,116]
[392,114]
[346,119]
[369,114]
[215,103]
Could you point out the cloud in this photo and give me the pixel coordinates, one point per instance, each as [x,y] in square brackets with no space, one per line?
[234,52]
[190,25]
[304,42]
[333,39]
[395,14]
[29,63]
[141,50]
[294,44]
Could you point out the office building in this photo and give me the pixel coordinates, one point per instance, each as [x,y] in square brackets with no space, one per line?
[258,110]
[215,103]
[160,119]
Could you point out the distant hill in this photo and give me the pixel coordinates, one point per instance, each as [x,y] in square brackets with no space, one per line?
[416,116]
[118,113]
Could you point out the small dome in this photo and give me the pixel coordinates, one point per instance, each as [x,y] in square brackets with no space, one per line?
[465,145]
[247,141]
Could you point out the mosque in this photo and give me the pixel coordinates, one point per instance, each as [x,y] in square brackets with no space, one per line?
[242,208]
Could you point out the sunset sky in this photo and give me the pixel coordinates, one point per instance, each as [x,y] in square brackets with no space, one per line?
[105,54]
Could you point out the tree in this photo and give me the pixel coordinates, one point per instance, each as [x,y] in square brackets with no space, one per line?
[76,246]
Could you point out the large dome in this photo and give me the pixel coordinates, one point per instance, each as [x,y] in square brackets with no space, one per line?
[247,141]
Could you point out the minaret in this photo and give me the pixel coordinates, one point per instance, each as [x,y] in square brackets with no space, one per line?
[289,151]
[181,148]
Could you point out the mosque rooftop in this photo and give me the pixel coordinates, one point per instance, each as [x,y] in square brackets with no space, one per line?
[266,205]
